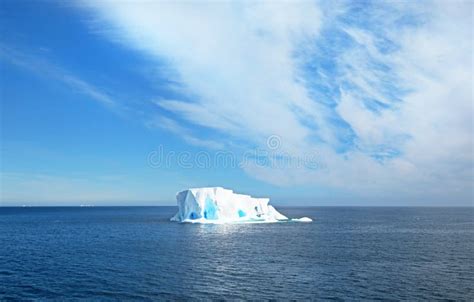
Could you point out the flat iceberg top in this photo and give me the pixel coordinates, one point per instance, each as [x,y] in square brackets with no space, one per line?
[219,205]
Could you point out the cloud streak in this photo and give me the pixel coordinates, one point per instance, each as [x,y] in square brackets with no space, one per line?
[42,67]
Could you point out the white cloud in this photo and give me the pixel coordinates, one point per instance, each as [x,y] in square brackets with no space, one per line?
[240,64]
[236,58]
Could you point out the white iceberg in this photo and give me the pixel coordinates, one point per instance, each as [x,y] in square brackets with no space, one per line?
[219,205]
[302,219]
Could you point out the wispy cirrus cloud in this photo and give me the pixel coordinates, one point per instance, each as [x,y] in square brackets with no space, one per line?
[184,133]
[381,91]
[44,68]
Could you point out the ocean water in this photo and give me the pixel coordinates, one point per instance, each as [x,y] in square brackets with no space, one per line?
[135,253]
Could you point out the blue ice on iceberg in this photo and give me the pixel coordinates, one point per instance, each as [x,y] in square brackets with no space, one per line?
[210,209]
[219,205]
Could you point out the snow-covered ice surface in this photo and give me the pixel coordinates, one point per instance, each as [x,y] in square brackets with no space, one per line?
[219,205]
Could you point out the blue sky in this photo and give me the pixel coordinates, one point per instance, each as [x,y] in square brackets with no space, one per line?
[309,103]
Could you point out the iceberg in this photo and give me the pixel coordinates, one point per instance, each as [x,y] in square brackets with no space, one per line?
[219,205]
[302,219]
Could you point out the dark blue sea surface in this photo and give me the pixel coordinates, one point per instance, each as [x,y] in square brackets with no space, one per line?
[135,253]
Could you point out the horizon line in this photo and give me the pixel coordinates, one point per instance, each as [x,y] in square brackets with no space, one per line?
[281,206]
